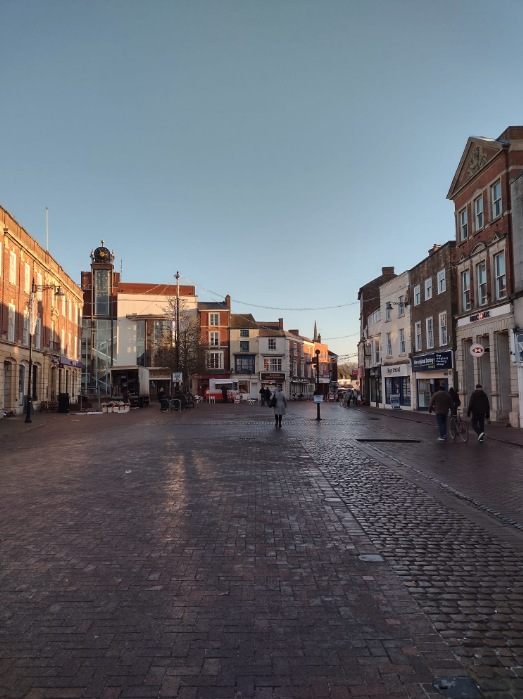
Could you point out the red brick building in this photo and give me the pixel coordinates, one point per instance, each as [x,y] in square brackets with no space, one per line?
[480,191]
[214,325]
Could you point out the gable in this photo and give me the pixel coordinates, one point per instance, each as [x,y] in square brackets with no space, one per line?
[477,154]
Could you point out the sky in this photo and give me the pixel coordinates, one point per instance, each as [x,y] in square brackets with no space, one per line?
[280,151]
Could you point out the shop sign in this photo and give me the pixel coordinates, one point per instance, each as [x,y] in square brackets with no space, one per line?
[318,399]
[485,315]
[64,361]
[395,401]
[479,316]
[396,370]
[477,350]
[268,376]
[432,361]
[354,373]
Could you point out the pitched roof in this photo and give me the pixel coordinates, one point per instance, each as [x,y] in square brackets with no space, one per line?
[477,153]
[238,321]
[154,289]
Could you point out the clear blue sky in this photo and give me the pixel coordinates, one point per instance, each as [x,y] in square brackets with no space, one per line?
[280,151]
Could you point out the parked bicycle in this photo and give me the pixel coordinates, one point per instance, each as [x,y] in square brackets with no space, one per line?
[172,404]
[458,426]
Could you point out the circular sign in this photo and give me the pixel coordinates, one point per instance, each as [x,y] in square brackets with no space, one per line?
[477,350]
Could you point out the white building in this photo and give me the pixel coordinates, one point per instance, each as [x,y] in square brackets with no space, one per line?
[396,369]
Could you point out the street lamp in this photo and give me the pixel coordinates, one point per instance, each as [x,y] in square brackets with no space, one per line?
[318,412]
[35,288]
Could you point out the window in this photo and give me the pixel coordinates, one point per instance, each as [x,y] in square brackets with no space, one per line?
[430,333]
[215,360]
[70,309]
[62,343]
[389,345]
[11,323]
[417,295]
[27,278]
[463,225]
[272,363]
[401,307]
[465,290]
[496,199]
[214,339]
[12,268]
[214,319]
[501,278]
[375,351]
[417,330]
[69,348]
[387,312]
[402,341]
[481,276]
[478,212]
[244,346]
[244,365]
[101,293]
[244,333]
[443,329]
[272,343]
[38,334]
[26,329]
[442,281]
[428,288]
[374,317]
[39,283]
[63,306]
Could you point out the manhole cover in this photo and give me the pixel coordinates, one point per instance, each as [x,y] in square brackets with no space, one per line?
[457,688]
[373,557]
[390,439]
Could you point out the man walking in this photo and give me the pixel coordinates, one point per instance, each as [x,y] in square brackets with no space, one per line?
[479,408]
[262,396]
[441,403]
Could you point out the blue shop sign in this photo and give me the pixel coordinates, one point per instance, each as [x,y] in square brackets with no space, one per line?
[433,361]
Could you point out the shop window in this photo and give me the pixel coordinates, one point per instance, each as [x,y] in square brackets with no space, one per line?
[21,384]
[406,392]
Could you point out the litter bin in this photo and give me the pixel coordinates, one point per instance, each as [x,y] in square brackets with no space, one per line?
[63,402]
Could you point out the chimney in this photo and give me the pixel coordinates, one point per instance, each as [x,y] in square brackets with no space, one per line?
[434,248]
[280,323]
[228,301]
[387,270]
[294,332]
[319,338]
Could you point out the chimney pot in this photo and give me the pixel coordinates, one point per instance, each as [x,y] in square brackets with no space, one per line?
[280,323]
[387,270]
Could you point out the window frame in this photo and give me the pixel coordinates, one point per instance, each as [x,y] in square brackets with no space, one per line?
[441,281]
[210,365]
[389,344]
[27,278]
[214,338]
[441,327]
[214,317]
[428,286]
[465,307]
[497,277]
[401,306]
[479,216]
[244,332]
[417,294]
[494,201]
[12,267]
[463,225]
[418,345]
[480,284]
[271,340]
[272,364]
[244,348]
[11,326]
[430,332]
[402,341]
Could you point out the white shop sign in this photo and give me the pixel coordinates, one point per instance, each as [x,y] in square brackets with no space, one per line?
[395,370]
[477,350]
[485,315]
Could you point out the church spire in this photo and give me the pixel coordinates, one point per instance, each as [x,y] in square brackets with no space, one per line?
[315,338]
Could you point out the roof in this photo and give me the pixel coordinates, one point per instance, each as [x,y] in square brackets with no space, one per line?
[242,321]
[154,289]
[212,306]
[478,152]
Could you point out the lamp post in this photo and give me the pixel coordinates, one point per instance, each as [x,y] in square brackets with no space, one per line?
[318,411]
[32,323]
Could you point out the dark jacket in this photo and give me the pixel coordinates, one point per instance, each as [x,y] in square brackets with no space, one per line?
[479,403]
[455,397]
[441,403]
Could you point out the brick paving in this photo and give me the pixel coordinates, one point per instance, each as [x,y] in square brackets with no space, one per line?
[210,555]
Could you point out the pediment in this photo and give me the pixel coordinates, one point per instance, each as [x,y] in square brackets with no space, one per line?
[477,154]
[477,248]
[462,257]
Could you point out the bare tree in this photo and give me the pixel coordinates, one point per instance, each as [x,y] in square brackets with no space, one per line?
[183,350]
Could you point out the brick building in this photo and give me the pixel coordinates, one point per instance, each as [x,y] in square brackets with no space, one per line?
[55,340]
[433,302]
[481,194]
[214,324]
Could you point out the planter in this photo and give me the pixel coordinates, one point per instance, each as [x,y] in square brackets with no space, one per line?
[104,408]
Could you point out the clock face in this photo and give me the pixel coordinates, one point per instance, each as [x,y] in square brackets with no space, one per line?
[102,255]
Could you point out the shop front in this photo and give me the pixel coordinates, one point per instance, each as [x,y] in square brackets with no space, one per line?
[374,386]
[272,380]
[397,387]
[298,388]
[430,372]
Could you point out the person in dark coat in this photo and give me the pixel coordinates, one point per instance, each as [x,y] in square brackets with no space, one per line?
[441,403]
[479,408]
[224,394]
[268,395]
[455,399]
[262,396]
[161,394]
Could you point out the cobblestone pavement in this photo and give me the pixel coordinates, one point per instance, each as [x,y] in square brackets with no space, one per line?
[212,555]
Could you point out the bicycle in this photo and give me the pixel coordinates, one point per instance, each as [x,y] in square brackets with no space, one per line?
[458,426]
[169,404]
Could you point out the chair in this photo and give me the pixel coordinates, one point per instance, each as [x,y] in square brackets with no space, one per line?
[212,399]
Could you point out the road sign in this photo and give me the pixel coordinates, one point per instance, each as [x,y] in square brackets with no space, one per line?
[177,376]
[318,399]
[477,350]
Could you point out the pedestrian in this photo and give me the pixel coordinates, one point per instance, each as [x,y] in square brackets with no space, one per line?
[268,395]
[441,403]
[161,394]
[279,403]
[262,396]
[479,408]
[224,394]
[125,395]
[455,399]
